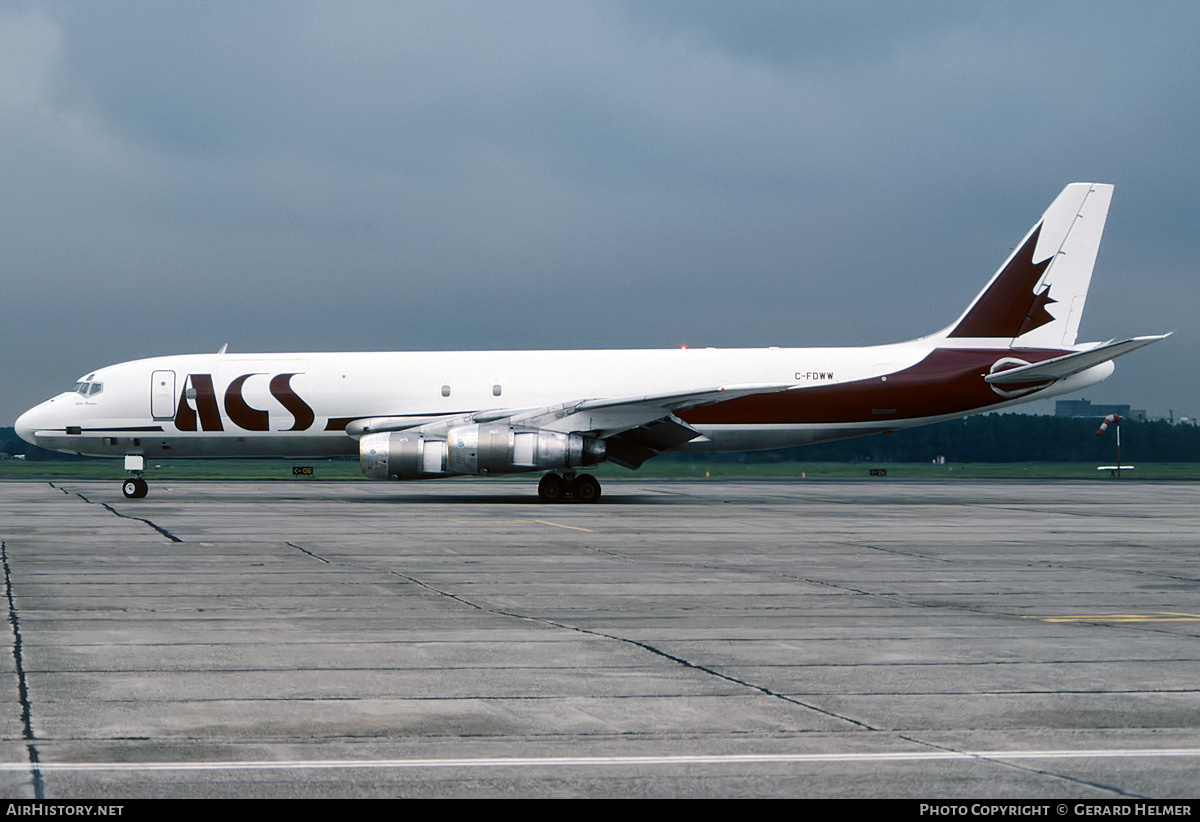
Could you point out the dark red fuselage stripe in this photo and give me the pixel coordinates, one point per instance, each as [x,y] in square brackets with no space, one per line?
[948,381]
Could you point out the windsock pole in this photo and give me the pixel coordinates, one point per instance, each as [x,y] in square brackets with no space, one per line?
[1115,421]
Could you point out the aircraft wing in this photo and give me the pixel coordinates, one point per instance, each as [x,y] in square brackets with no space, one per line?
[1062,367]
[612,415]
[634,428]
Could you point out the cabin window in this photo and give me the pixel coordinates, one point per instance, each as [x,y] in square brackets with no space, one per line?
[445,390]
[496,390]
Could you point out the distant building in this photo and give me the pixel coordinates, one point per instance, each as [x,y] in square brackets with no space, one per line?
[1086,410]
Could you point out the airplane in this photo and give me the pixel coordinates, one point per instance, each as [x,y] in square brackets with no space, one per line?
[421,415]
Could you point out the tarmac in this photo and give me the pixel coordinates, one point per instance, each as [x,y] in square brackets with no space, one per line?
[874,638]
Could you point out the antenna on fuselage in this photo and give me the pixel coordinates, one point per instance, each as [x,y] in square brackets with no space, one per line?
[223,347]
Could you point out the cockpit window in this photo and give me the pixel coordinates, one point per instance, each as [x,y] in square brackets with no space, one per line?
[86,388]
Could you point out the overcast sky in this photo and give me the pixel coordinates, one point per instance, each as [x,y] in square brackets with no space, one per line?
[386,175]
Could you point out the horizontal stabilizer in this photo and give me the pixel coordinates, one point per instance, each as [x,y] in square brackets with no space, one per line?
[1062,367]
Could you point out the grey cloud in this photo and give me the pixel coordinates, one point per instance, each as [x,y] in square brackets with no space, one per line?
[391,175]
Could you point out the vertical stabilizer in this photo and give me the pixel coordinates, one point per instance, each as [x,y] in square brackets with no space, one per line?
[1036,298]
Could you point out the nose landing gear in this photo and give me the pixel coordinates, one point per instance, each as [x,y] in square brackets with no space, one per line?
[558,487]
[135,487]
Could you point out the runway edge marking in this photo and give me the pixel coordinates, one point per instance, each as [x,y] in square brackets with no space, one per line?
[609,761]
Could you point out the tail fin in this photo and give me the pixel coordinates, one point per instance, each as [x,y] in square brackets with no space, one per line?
[1036,298]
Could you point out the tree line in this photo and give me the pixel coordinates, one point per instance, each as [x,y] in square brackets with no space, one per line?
[1003,438]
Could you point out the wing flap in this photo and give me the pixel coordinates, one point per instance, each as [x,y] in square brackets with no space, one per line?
[631,448]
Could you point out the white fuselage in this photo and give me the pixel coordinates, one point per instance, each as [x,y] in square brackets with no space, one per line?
[295,405]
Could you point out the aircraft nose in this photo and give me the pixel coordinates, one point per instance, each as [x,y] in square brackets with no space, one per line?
[26,424]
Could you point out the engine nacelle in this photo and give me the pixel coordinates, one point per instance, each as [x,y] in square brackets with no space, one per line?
[496,448]
[402,455]
[481,449]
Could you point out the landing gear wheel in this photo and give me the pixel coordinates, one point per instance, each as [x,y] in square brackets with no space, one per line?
[135,488]
[587,488]
[552,488]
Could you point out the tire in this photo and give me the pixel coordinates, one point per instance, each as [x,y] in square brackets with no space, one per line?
[135,488]
[552,488]
[587,488]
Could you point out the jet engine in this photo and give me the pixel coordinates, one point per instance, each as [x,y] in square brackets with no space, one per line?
[402,455]
[480,449]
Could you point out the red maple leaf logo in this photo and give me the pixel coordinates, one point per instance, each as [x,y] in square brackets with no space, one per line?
[1009,308]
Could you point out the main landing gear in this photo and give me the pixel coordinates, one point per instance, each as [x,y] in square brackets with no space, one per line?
[135,487]
[558,487]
